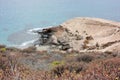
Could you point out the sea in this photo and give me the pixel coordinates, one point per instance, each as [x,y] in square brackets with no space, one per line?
[19,17]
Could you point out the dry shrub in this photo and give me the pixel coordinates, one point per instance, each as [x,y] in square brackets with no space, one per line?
[13,49]
[29,49]
[58,71]
[8,66]
[103,70]
[75,67]
[11,69]
[2,46]
[84,58]
[71,68]
[108,69]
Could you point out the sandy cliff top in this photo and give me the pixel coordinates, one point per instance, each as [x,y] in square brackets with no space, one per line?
[103,31]
[88,34]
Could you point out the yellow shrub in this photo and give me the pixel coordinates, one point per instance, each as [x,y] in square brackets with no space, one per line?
[57,63]
[3,49]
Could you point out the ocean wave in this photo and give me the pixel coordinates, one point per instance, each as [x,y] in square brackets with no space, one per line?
[25,44]
[33,30]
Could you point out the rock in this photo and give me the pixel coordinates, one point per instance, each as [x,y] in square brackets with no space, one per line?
[37,42]
[60,47]
[54,40]
[66,47]
[79,37]
[70,50]
[89,38]
[91,47]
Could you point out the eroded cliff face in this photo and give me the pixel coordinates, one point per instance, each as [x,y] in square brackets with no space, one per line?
[83,34]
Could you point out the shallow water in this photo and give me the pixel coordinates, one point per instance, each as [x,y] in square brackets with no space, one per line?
[17,16]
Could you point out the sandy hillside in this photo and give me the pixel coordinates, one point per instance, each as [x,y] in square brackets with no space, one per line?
[105,33]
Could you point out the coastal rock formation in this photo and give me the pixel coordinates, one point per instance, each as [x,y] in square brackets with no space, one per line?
[82,34]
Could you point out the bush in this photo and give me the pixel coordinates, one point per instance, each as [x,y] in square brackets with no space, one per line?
[57,63]
[29,49]
[58,71]
[85,58]
[12,49]
[2,46]
[8,65]
[71,68]
[3,50]
[108,69]
[74,67]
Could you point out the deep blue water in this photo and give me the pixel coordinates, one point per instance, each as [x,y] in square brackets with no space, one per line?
[17,16]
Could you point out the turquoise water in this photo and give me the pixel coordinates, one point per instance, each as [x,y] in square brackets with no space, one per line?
[17,16]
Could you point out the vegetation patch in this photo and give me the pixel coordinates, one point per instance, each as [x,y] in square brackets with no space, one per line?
[33,65]
[3,49]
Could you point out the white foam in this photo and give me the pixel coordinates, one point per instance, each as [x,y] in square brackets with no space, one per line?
[32,31]
[27,43]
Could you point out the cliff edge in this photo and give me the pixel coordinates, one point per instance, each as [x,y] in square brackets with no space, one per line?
[82,34]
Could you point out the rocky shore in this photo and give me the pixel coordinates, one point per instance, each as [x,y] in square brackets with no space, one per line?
[82,35]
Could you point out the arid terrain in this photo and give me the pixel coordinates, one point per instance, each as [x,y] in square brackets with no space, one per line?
[79,49]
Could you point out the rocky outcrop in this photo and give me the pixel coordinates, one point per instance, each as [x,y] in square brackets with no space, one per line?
[82,34]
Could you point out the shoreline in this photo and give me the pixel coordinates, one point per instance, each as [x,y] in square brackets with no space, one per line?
[26,43]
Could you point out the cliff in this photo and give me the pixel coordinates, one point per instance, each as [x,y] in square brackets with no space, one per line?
[82,34]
